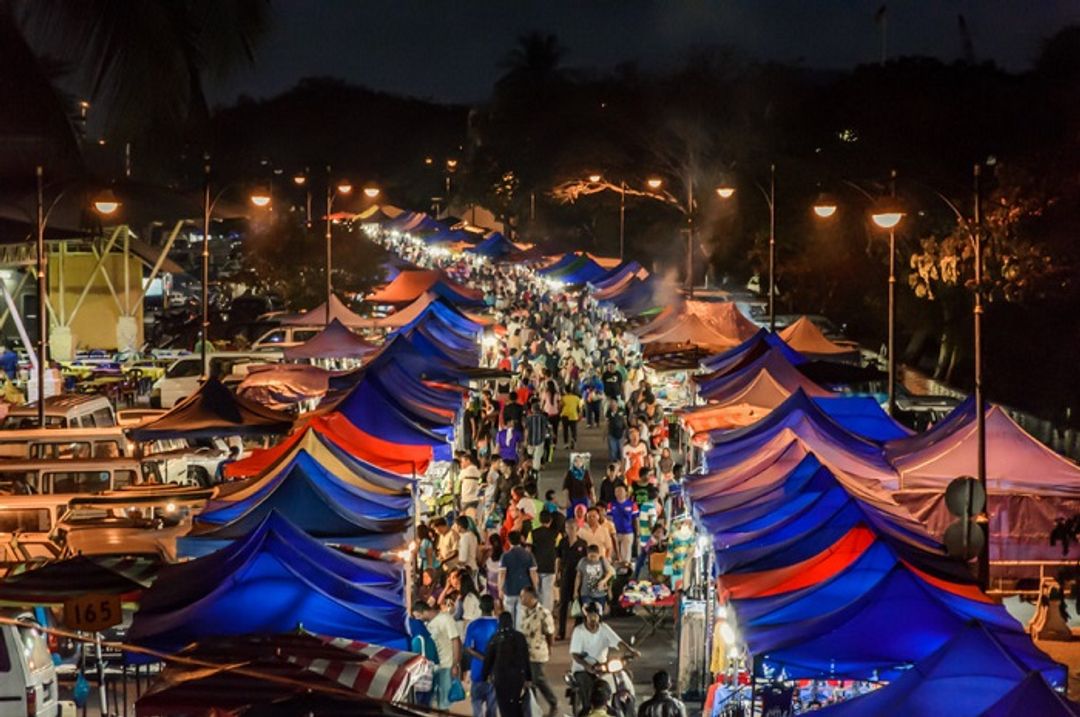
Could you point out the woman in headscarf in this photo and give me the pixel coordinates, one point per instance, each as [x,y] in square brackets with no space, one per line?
[506,665]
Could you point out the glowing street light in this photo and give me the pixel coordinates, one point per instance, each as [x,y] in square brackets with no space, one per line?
[725,191]
[344,187]
[594,178]
[654,183]
[887,214]
[106,203]
[825,205]
[260,197]
[371,192]
[300,180]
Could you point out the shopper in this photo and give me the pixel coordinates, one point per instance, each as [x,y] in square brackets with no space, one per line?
[477,638]
[539,629]
[517,569]
[506,665]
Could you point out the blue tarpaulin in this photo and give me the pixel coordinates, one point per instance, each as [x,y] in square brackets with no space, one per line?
[275,580]
[971,672]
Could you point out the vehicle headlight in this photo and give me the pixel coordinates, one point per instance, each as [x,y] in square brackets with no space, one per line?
[615,665]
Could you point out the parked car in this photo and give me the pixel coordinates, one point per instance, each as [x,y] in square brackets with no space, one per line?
[27,675]
[64,411]
[68,477]
[284,336]
[182,377]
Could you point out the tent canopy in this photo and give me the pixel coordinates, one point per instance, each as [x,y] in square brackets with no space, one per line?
[58,580]
[971,672]
[335,341]
[274,580]
[211,412]
[805,337]
[282,386]
[338,312]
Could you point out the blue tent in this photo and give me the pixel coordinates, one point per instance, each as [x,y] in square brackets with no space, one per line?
[801,415]
[806,514]
[974,670]
[579,272]
[314,500]
[274,580]
[750,350]
[560,265]
[863,416]
[495,245]
[619,273]
[871,621]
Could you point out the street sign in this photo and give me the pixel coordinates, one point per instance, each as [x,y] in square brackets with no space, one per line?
[965,497]
[92,612]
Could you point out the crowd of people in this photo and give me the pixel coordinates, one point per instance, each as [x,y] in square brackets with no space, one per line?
[508,571]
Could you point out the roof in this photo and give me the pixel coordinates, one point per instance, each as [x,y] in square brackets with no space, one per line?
[58,580]
[1016,462]
[965,677]
[338,312]
[273,580]
[211,412]
[805,337]
[333,342]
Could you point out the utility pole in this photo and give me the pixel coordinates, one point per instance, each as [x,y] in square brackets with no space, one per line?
[622,221]
[690,233]
[980,398]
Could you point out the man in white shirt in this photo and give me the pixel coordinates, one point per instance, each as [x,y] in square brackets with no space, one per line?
[589,646]
[469,483]
[447,545]
[467,546]
[444,633]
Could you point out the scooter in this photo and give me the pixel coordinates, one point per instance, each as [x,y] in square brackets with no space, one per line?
[616,675]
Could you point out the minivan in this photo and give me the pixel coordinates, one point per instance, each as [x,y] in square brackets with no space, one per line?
[64,443]
[182,377]
[68,477]
[27,675]
[285,336]
[68,410]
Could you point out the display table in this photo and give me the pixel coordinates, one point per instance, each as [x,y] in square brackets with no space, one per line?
[652,614]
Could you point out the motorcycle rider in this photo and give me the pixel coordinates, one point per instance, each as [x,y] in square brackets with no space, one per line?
[589,646]
[662,703]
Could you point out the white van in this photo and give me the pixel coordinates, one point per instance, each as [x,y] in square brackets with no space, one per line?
[68,477]
[284,336]
[27,676]
[64,443]
[182,377]
[69,410]
[31,514]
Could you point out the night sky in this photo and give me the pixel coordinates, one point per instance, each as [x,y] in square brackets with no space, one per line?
[450,49]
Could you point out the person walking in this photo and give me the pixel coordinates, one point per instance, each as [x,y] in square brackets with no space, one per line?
[544,542]
[506,666]
[444,633]
[570,414]
[623,512]
[537,434]
[477,638]
[578,486]
[616,430]
[572,549]
[468,545]
[516,570]
[594,575]
[538,626]
[662,703]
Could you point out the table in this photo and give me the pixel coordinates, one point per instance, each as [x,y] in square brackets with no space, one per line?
[651,614]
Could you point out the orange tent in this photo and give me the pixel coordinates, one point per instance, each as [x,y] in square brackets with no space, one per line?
[406,286]
[805,337]
[394,457]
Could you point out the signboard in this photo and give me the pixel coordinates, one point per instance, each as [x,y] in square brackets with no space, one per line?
[92,613]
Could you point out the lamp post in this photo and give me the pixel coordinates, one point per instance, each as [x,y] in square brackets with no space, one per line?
[980,407]
[886,213]
[301,180]
[343,187]
[105,204]
[260,198]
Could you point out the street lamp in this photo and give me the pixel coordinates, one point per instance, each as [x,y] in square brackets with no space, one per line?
[595,178]
[825,205]
[104,203]
[371,192]
[301,180]
[259,198]
[725,192]
[342,188]
[451,167]
[654,183]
